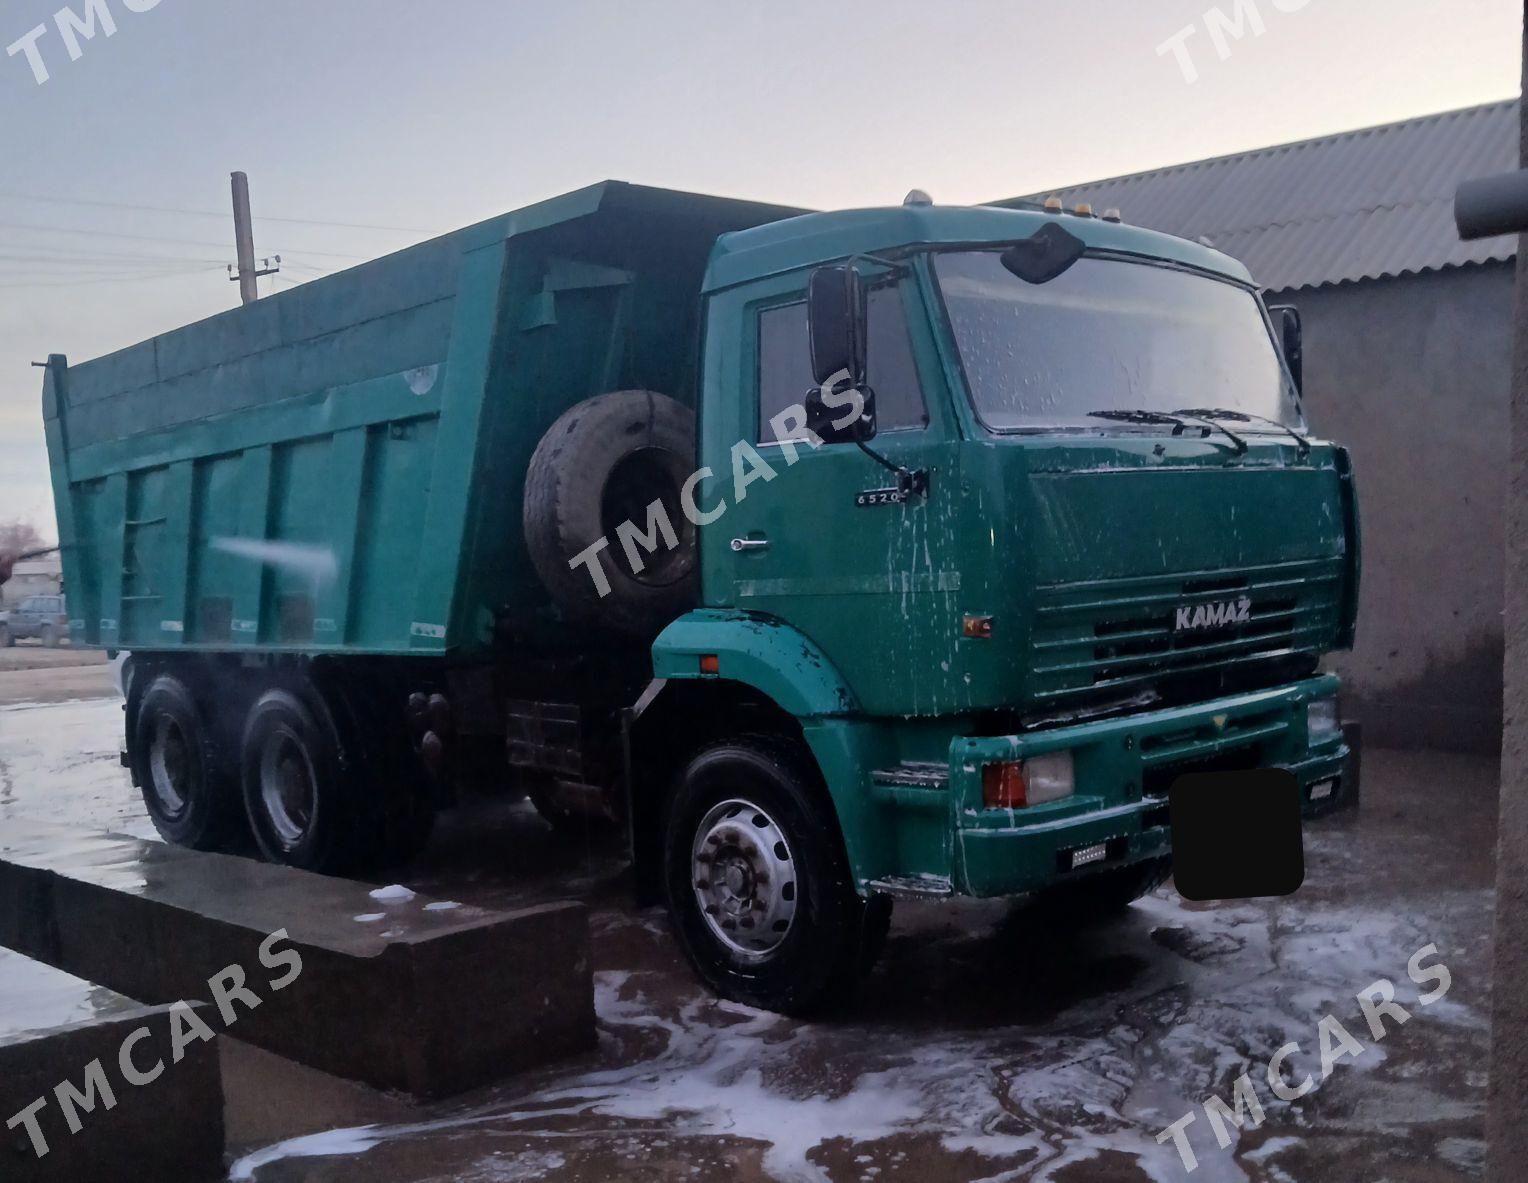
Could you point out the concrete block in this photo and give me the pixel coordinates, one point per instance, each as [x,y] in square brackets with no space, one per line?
[52,1029]
[425,1000]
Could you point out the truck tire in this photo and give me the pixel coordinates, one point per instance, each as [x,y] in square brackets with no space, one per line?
[758,883]
[184,778]
[6,640]
[49,636]
[602,464]
[297,791]
[327,791]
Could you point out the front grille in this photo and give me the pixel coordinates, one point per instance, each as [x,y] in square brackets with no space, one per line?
[1114,636]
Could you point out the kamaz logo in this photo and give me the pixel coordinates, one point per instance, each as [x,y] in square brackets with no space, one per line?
[1195,617]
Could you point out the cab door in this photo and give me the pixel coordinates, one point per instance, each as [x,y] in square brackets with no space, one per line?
[816,537]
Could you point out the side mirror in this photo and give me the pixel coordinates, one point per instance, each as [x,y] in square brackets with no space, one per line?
[839,324]
[1286,319]
[842,407]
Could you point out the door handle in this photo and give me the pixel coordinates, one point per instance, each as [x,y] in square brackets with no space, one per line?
[739,545]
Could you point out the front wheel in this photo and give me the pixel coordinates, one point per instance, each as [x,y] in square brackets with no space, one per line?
[758,882]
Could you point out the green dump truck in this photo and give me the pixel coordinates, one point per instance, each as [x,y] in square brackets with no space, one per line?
[839,557]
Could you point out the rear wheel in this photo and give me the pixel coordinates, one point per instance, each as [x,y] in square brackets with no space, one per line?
[758,882]
[327,786]
[49,636]
[6,640]
[295,788]
[176,762]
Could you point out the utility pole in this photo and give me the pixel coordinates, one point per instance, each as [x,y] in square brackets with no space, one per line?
[244,236]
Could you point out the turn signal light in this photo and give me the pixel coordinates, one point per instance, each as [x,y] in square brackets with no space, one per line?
[1003,786]
[1036,781]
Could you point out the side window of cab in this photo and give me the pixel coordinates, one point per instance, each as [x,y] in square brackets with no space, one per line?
[785,364]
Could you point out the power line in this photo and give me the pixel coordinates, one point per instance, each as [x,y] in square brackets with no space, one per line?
[100,257]
[78,283]
[159,238]
[199,213]
[101,261]
[13,282]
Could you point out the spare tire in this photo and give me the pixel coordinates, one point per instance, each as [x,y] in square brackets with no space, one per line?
[603,464]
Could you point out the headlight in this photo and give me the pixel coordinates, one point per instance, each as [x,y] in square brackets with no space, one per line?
[1322,721]
[1049,777]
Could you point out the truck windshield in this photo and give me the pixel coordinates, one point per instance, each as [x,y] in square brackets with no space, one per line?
[1109,335]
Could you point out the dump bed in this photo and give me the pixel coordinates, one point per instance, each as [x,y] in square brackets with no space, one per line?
[339,468]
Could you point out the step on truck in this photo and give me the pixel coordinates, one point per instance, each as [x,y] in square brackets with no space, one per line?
[839,557]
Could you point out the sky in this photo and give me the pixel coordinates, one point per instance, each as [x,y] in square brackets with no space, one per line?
[366,125]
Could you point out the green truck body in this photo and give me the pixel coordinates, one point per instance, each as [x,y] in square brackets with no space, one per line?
[334,480]
[384,417]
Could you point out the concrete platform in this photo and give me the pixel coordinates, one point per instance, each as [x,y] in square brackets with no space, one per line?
[52,1027]
[414,995]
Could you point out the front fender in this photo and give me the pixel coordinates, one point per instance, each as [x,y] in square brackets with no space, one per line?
[773,658]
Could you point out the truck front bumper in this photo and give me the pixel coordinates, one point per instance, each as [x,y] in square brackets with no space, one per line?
[1123,770]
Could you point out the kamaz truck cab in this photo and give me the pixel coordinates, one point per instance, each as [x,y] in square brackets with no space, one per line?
[841,557]
[1087,546]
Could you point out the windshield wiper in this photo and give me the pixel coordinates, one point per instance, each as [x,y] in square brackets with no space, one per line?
[1214,413]
[1161,418]
[1180,421]
[1236,441]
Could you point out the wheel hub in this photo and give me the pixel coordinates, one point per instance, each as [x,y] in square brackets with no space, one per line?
[744,879]
[170,766]
[287,787]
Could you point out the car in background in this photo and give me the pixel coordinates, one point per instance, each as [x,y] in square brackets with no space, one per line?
[45,618]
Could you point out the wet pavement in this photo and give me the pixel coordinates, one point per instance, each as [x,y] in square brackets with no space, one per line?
[988,1045]
[31,674]
[39,999]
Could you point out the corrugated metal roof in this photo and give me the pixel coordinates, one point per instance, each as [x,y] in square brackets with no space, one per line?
[1359,205]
